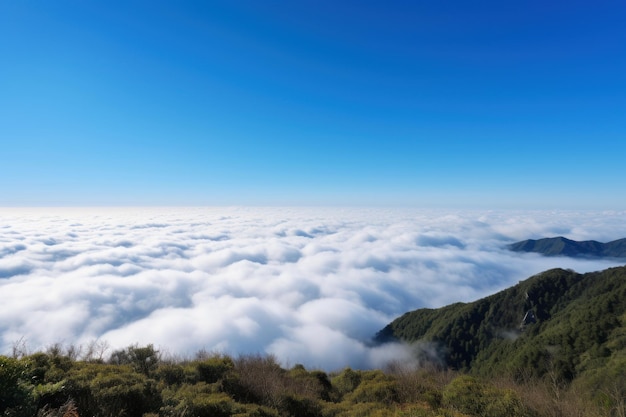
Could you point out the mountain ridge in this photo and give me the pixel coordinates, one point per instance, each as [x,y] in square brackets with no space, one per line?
[562,246]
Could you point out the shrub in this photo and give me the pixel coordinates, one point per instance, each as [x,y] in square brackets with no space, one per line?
[465,394]
[143,359]
[314,384]
[468,395]
[212,405]
[202,404]
[170,374]
[214,368]
[257,379]
[295,405]
[125,393]
[16,394]
[112,390]
[374,387]
[346,381]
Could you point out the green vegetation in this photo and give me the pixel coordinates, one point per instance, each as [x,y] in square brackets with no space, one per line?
[477,359]
[55,385]
[52,384]
[576,339]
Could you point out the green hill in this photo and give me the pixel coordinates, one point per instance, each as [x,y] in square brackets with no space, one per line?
[568,325]
[560,246]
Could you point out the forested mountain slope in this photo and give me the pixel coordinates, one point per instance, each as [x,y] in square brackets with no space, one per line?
[558,322]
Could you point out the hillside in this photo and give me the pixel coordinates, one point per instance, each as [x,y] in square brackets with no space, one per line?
[569,325]
[560,246]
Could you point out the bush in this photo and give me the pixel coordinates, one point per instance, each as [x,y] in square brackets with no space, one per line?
[295,405]
[364,410]
[128,393]
[258,379]
[346,381]
[465,394]
[16,393]
[170,374]
[205,405]
[143,359]
[470,396]
[314,384]
[213,369]
[375,386]
[112,390]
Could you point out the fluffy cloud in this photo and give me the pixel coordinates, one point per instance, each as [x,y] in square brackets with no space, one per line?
[311,286]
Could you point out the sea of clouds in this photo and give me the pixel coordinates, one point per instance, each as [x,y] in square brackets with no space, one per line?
[310,286]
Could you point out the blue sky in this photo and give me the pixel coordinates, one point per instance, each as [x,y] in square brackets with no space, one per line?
[480,104]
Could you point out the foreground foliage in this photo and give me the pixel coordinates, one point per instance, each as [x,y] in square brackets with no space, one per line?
[138,382]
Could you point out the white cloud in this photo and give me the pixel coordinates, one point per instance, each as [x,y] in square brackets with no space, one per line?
[309,285]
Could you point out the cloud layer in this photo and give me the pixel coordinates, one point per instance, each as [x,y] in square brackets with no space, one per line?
[311,286]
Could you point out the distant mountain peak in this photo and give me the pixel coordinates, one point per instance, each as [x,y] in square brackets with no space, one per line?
[562,246]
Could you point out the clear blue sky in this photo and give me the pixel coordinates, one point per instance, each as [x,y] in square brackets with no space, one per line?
[424,103]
